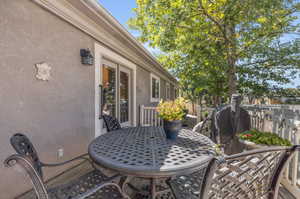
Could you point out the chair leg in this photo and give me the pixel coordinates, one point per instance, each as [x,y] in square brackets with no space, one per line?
[122,184]
[153,188]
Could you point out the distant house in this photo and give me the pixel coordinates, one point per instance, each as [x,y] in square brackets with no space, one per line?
[50,91]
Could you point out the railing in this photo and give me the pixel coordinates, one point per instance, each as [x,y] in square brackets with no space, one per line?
[149,116]
[283,120]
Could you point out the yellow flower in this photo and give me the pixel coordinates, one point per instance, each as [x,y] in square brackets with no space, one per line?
[172,110]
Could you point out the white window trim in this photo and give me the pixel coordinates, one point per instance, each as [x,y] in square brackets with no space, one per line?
[157,78]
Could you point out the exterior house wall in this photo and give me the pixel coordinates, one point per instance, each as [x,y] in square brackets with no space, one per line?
[163,89]
[55,113]
[58,113]
[172,94]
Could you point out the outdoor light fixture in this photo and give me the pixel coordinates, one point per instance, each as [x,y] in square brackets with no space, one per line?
[86,57]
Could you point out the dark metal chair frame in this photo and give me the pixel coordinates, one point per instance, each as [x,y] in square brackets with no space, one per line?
[27,158]
[252,174]
[111,123]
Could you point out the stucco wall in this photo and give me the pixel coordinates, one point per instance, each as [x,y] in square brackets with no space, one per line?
[54,114]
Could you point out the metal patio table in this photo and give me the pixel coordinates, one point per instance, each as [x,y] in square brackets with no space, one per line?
[145,152]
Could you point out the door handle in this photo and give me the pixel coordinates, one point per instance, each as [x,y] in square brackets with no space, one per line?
[101,101]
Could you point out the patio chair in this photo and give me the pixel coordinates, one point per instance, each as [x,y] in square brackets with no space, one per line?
[111,122]
[94,184]
[253,174]
[225,123]
[205,128]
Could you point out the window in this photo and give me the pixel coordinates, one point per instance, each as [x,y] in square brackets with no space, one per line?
[155,88]
[168,91]
[109,91]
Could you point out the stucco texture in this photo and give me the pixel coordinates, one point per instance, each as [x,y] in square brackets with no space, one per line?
[55,113]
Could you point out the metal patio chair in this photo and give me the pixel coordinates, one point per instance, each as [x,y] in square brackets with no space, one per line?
[111,122]
[253,174]
[94,184]
[204,127]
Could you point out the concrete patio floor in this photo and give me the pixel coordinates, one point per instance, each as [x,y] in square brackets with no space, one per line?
[85,167]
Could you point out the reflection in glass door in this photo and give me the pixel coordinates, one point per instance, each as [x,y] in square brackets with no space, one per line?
[116,92]
[124,95]
[109,91]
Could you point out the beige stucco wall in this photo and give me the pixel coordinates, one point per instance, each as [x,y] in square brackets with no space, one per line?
[54,114]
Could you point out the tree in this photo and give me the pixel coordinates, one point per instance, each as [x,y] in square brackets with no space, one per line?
[243,36]
[195,80]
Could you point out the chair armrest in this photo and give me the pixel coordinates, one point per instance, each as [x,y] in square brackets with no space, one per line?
[26,165]
[81,157]
[198,126]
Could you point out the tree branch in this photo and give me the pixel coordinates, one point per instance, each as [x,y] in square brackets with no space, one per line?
[218,24]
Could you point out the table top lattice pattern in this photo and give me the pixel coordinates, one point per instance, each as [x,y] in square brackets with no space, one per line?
[145,151]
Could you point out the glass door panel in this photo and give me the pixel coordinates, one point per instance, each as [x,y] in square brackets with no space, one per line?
[124,96]
[109,91]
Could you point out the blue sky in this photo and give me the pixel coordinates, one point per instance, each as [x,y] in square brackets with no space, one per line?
[122,11]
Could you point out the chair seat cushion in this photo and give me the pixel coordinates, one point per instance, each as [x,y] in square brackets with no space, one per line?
[82,185]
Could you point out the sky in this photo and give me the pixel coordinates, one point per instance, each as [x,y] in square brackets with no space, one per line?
[122,11]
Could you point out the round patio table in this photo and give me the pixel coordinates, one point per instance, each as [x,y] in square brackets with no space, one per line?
[145,152]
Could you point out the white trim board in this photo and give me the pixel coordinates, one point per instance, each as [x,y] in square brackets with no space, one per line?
[100,53]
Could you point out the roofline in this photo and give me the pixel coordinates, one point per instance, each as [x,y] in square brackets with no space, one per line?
[110,18]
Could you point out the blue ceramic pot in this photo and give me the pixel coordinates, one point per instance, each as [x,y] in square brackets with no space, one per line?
[172,128]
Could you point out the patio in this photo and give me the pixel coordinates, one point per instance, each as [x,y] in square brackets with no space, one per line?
[84,168]
[249,174]
[75,81]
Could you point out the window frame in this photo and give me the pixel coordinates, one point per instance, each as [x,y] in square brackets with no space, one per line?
[152,99]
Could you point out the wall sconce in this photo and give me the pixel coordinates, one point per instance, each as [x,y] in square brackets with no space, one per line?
[86,57]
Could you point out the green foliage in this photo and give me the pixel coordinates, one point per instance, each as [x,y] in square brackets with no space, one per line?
[222,42]
[289,92]
[172,110]
[264,138]
[206,113]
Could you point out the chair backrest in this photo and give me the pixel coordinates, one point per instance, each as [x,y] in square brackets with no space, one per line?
[111,123]
[251,174]
[23,146]
[204,127]
[195,185]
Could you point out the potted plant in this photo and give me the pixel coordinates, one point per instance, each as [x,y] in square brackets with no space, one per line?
[172,113]
[254,139]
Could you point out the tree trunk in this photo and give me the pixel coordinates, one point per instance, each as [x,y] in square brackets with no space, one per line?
[231,58]
[200,107]
[193,107]
[232,80]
